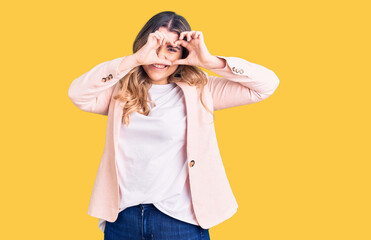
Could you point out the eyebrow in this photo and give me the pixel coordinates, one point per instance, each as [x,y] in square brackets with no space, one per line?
[173,47]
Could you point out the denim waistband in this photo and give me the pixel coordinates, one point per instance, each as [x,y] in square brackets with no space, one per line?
[146,205]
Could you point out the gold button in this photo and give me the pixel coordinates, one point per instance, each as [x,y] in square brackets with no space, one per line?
[192,163]
[110,76]
[104,79]
[233,69]
[241,71]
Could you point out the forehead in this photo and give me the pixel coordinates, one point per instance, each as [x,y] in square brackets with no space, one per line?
[172,36]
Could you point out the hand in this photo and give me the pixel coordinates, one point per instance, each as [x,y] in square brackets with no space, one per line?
[198,53]
[148,55]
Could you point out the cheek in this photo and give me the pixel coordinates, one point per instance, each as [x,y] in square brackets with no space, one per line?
[173,68]
[145,69]
[176,56]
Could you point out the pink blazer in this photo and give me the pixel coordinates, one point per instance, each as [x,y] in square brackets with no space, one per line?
[242,83]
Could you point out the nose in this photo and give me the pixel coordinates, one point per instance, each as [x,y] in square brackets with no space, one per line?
[161,52]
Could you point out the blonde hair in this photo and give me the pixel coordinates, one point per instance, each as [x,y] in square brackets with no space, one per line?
[134,86]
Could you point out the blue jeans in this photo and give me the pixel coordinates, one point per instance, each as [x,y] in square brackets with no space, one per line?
[154,225]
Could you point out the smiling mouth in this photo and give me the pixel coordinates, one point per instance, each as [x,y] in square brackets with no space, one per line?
[159,66]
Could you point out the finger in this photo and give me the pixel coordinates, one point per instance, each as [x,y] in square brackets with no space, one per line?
[171,43]
[177,42]
[160,37]
[201,36]
[164,38]
[163,61]
[193,34]
[198,33]
[183,34]
[190,35]
[189,38]
[180,62]
[157,36]
[182,43]
[154,36]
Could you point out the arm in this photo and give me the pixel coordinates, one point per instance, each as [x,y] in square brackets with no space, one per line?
[92,91]
[242,82]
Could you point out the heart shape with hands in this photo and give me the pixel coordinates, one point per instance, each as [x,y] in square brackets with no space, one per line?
[198,55]
[198,52]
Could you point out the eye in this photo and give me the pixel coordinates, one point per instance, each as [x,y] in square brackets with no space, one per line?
[172,49]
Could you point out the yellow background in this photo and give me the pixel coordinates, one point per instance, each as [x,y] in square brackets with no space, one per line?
[298,162]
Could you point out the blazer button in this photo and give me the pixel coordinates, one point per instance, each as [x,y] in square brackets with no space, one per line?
[104,79]
[192,163]
[241,71]
[110,76]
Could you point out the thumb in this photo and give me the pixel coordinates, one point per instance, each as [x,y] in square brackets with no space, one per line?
[163,61]
[180,62]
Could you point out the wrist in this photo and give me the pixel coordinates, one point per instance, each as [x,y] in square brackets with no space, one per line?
[128,62]
[215,62]
[133,58]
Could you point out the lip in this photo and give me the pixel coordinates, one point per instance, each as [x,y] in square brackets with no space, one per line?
[158,69]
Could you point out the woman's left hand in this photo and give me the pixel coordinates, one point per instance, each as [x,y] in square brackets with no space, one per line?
[198,53]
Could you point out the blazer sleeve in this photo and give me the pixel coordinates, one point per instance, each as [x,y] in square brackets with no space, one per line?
[92,91]
[242,83]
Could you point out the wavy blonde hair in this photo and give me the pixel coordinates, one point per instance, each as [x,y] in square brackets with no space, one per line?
[134,86]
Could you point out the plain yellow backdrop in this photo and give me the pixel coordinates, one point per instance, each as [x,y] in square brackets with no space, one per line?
[298,162]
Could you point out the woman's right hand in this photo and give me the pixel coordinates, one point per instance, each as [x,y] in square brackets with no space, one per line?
[148,53]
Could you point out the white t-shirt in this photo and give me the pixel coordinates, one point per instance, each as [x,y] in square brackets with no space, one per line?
[151,157]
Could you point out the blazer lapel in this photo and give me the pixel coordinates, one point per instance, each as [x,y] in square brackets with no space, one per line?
[190,95]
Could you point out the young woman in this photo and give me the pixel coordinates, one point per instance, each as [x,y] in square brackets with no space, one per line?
[161,175]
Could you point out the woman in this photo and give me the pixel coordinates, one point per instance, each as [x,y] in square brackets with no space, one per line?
[161,175]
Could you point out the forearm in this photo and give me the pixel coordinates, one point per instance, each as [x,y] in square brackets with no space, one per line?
[257,78]
[92,91]
[129,62]
[215,63]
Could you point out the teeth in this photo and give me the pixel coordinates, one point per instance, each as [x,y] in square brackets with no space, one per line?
[159,65]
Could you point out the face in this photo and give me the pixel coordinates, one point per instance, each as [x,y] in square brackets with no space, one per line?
[168,52]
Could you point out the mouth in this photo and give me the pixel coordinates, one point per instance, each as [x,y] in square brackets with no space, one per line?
[160,67]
